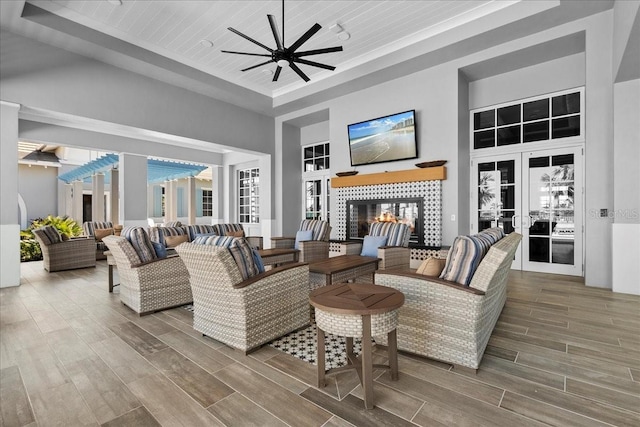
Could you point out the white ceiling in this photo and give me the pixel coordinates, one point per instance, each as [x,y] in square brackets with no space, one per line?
[174,30]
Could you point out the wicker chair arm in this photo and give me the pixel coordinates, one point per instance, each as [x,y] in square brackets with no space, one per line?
[313,250]
[153,261]
[156,273]
[295,278]
[282,242]
[267,274]
[89,243]
[432,280]
[255,241]
[350,248]
[394,257]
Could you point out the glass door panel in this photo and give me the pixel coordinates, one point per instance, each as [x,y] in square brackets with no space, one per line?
[316,198]
[553,236]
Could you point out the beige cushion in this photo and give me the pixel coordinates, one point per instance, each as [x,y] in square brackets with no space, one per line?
[173,241]
[239,233]
[431,267]
[101,233]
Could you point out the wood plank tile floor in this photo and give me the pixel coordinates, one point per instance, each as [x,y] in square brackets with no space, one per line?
[72,354]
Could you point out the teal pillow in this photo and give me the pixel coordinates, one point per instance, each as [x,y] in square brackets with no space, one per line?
[257,259]
[302,236]
[161,251]
[371,244]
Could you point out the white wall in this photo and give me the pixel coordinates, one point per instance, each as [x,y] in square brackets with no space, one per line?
[38,187]
[626,152]
[318,132]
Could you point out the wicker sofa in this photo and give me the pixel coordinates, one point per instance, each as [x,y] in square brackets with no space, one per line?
[158,234]
[448,321]
[244,313]
[149,286]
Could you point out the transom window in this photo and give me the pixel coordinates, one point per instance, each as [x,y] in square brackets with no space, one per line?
[550,117]
[315,157]
[249,195]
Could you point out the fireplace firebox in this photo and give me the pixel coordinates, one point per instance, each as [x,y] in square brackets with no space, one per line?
[362,213]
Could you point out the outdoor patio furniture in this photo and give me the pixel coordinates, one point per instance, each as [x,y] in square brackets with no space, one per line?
[65,255]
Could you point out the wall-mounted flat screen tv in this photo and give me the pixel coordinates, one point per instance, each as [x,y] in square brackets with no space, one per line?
[384,139]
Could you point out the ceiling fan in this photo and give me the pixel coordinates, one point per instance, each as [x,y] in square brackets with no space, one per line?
[284,56]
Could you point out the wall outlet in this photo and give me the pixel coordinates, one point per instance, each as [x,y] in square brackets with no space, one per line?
[453,217]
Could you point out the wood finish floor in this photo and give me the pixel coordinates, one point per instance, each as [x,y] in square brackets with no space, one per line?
[72,354]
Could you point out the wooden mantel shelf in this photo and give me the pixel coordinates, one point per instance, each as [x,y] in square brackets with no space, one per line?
[411,175]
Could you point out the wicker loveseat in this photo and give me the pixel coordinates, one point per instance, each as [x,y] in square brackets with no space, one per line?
[244,313]
[149,286]
[61,255]
[448,321]
[158,234]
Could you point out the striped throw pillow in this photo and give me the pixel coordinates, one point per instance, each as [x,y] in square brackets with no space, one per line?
[141,242]
[397,234]
[496,232]
[240,251]
[195,229]
[320,229]
[158,234]
[465,256]
[223,241]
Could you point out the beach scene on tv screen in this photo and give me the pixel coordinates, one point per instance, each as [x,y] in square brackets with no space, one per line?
[384,139]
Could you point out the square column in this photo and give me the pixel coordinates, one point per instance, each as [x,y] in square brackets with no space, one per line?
[76,209]
[68,200]
[133,190]
[191,199]
[114,194]
[9,218]
[97,197]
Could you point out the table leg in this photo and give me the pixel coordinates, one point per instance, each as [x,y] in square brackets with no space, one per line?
[320,358]
[392,353]
[110,278]
[349,348]
[367,362]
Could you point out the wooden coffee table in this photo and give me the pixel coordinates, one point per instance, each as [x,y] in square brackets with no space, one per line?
[358,310]
[277,257]
[341,269]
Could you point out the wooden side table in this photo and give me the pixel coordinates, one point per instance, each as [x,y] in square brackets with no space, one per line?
[358,310]
[341,269]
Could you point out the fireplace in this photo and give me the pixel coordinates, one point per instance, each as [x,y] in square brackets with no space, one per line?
[360,214]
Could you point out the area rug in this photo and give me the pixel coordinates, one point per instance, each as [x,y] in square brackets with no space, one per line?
[302,344]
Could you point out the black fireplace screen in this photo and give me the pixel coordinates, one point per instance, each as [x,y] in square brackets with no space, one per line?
[362,213]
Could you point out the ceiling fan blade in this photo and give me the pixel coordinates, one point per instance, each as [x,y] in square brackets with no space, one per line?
[274,30]
[318,51]
[256,66]
[314,64]
[233,30]
[298,71]
[306,36]
[246,53]
[277,74]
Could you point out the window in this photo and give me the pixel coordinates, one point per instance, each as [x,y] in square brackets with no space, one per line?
[249,195]
[207,202]
[546,118]
[315,157]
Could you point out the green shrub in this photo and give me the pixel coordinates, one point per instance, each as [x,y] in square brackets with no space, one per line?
[29,247]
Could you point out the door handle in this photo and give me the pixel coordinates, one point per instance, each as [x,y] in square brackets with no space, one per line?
[513,221]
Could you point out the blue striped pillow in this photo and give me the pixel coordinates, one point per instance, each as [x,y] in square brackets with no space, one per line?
[223,241]
[196,229]
[465,256]
[141,242]
[397,234]
[319,228]
[243,256]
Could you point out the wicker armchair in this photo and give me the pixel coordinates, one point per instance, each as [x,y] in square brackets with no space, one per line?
[448,321]
[244,314]
[396,254]
[150,286]
[61,255]
[310,250]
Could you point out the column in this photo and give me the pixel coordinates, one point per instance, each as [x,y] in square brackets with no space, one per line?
[68,200]
[133,190]
[97,197]
[217,194]
[167,201]
[76,210]
[114,217]
[9,220]
[191,199]
[171,193]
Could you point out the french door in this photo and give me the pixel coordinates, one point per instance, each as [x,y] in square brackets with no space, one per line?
[540,195]
[316,197]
